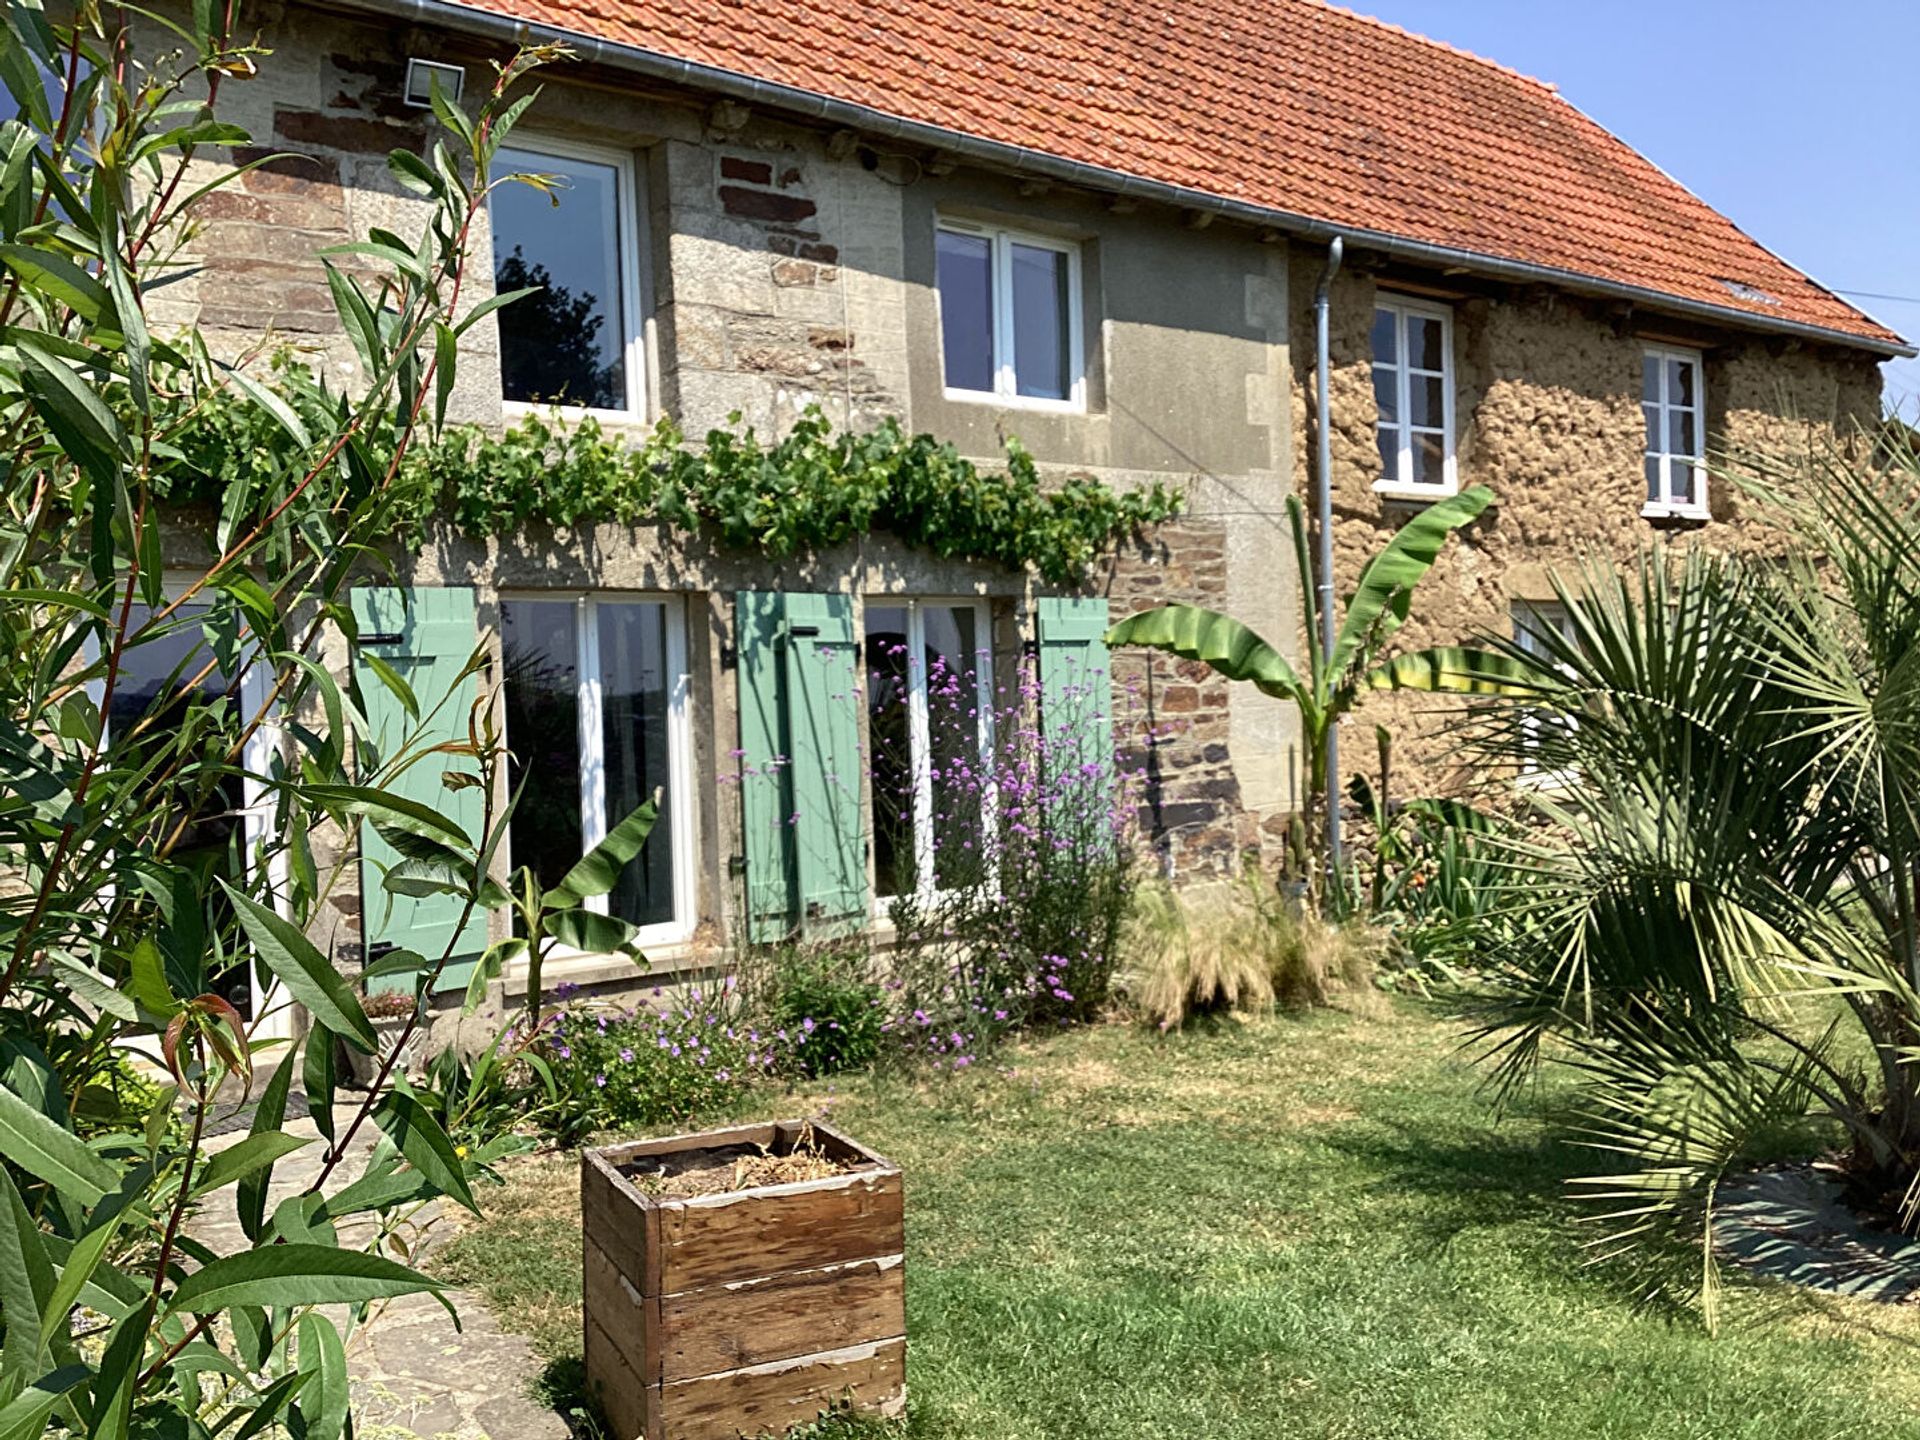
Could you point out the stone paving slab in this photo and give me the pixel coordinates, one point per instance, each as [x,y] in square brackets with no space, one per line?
[414,1376]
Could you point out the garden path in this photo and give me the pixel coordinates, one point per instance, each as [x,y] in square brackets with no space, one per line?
[413,1374]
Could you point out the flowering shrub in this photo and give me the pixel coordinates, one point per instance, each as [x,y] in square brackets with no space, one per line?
[1032,874]
[827,1003]
[641,1066]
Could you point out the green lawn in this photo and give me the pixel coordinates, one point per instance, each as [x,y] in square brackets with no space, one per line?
[1306,1227]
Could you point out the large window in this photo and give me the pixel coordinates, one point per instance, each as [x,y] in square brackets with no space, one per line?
[1413,391]
[1009,316]
[575,342]
[1672,401]
[596,722]
[221,826]
[930,743]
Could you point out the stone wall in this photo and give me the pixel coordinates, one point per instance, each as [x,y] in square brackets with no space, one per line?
[1547,414]
[1173,718]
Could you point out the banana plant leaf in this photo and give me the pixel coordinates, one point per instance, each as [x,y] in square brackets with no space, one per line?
[1233,649]
[1384,595]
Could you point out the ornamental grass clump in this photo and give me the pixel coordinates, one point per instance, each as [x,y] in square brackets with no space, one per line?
[1240,947]
[1183,958]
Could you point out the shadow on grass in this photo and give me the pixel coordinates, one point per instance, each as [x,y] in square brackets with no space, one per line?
[561,1386]
[1512,1175]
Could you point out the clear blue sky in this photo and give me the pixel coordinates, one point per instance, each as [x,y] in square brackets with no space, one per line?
[1797,118]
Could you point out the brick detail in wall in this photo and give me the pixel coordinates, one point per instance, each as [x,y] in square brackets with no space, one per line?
[770,195]
[262,237]
[1171,719]
[261,265]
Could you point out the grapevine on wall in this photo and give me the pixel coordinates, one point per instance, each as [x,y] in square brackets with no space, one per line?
[814,487]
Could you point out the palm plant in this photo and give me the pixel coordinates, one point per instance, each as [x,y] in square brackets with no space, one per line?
[1337,678]
[1721,923]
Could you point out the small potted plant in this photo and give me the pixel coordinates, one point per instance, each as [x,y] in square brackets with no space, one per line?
[389,1014]
[742,1280]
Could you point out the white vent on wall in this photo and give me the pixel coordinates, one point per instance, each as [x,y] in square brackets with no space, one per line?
[422,75]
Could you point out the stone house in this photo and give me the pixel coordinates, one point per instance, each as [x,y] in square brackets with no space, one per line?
[1101,233]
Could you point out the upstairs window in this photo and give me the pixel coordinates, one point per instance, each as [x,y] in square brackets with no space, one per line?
[1672,399]
[1413,390]
[1009,316]
[575,342]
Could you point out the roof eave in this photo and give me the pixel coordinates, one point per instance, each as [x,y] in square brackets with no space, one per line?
[1023,160]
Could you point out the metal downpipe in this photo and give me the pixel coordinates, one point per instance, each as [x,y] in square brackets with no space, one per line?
[1323,518]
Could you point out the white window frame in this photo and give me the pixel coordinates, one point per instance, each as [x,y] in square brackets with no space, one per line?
[273,1007]
[633,263]
[1398,484]
[592,779]
[920,732]
[1666,507]
[1006,387]
[1557,616]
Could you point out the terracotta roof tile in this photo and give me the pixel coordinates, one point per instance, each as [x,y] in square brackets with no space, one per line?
[1289,105]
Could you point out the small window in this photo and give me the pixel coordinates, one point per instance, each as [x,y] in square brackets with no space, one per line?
[1009,317]
[930,744]
[1673,401]
[575,342]
[1413,390]
[1544,630]
[596,722]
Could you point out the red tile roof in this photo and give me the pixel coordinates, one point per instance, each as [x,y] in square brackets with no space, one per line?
[1286,105]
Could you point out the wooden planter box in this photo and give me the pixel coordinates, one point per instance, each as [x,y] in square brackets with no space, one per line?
[728,1314]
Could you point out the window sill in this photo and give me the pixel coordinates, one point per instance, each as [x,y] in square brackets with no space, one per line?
[1549,782]
[1694,514]
[1014,402]
[574,414]
[582,969]
[1413,494]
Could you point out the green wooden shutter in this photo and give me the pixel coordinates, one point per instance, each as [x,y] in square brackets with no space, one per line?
[1076,690]
[771,884]
[426,635]
[801,791]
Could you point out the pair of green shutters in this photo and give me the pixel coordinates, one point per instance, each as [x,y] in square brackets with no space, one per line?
[800,681]
[801,676]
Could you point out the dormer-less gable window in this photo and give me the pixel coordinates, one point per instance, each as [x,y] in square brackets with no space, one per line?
[1413,392]
[1009,317]
[1673,401]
